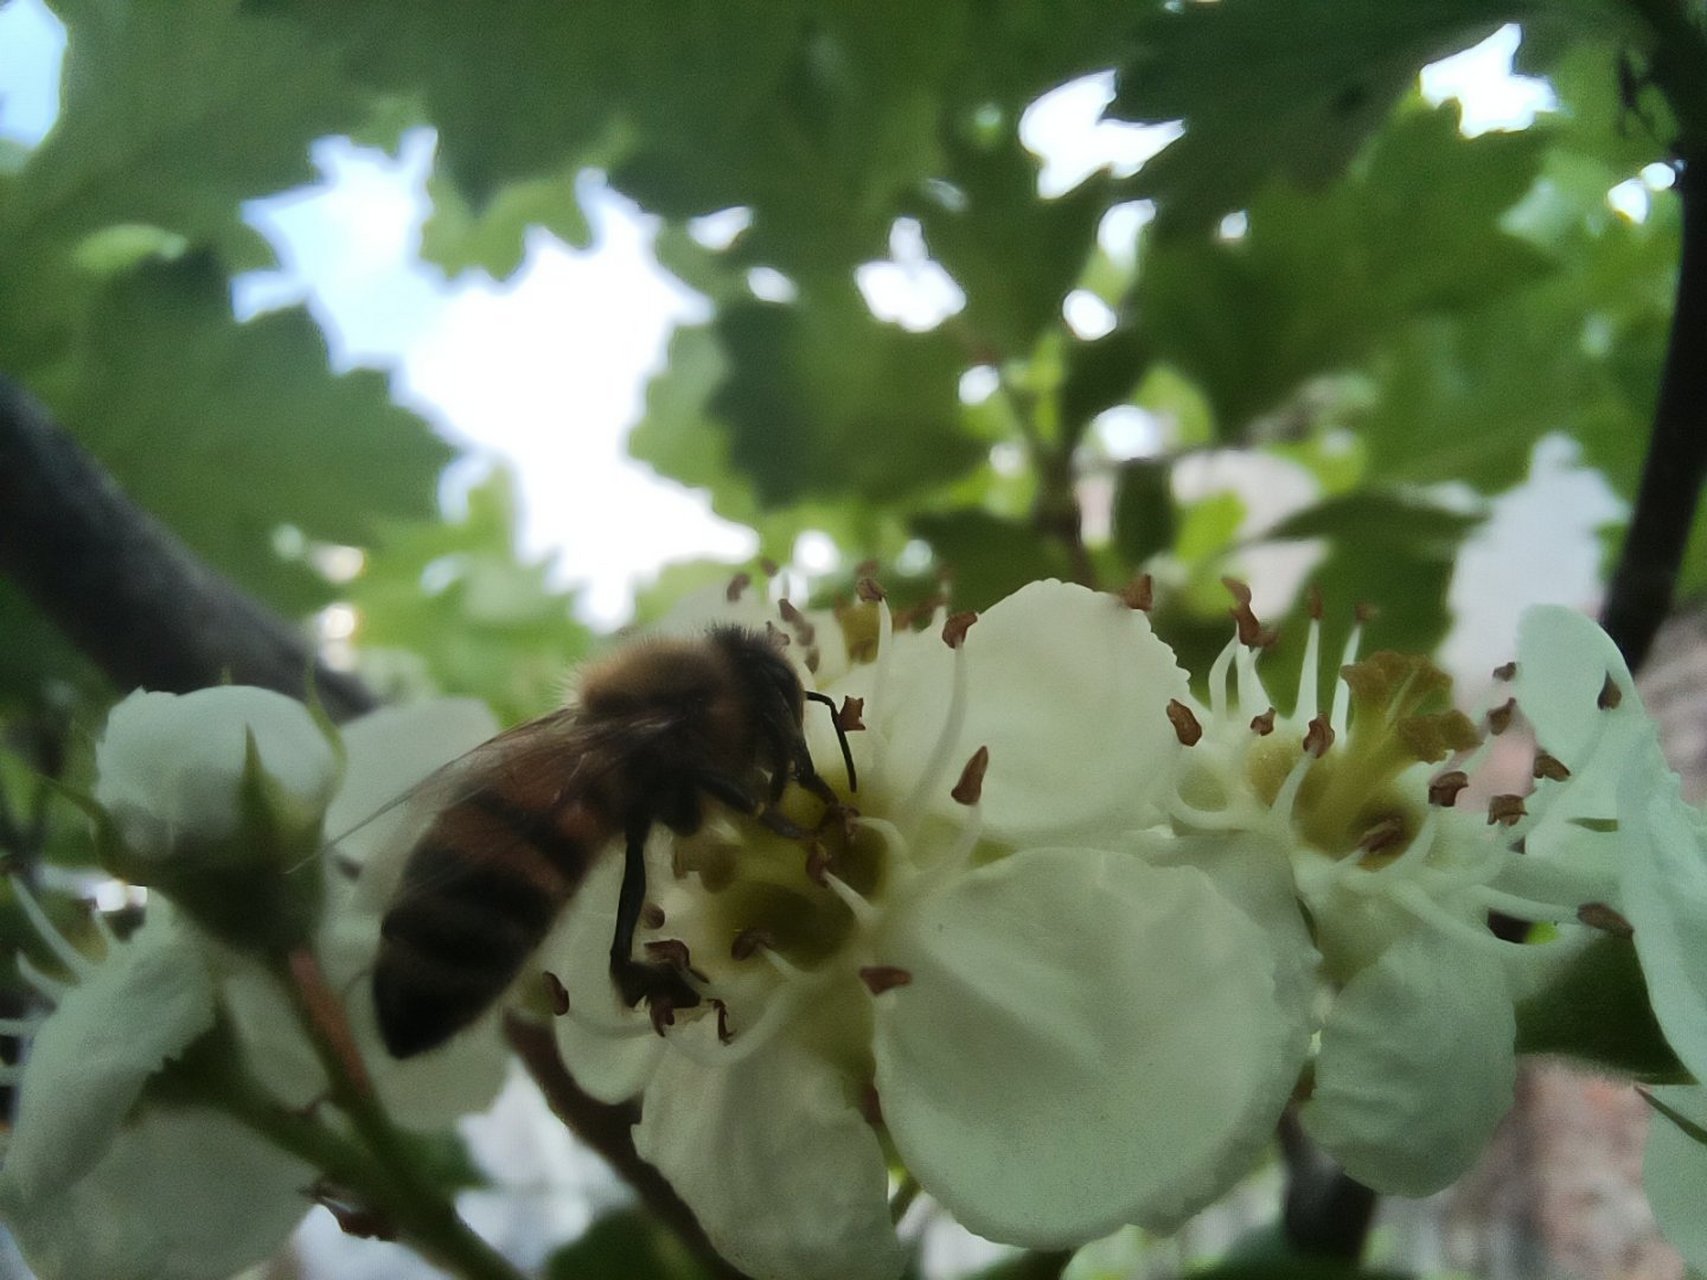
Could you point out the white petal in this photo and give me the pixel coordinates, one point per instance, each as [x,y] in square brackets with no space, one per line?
[1664,889]
[779,1167]
[1086,1041]
[170,766]
[1674,1173]
[183,1194]
[1416,1065]
[146,1002]
[1069,689]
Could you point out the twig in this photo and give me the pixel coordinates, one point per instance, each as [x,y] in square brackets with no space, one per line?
[609,1131]
[1643,584]
[124,589]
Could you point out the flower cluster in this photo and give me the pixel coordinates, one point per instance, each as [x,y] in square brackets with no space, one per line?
[111,1172]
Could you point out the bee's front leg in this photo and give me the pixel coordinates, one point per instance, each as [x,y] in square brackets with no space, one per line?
[663,987]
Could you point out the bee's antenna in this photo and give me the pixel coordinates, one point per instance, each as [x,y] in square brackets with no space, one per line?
[841,735]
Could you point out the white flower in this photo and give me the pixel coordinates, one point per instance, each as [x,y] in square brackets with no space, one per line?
[100,1183]
[171,766]
[1674,1171]
[1057,1036]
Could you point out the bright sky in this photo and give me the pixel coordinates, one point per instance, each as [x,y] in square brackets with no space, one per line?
[548,369]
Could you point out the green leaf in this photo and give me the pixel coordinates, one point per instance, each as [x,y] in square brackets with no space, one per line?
[1284,88]
[987,557]
[821,399]
[629,1243]
[1015,254]
[1597,1012]
[1102,373]
[228,431]
[459,239]
[1145,522]
[1318,282]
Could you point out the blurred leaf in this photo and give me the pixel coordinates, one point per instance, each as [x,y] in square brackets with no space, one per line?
[1101,373]
[458,239]
[226,431]
[1596,1011]
[1287,88]
[1317,282]
[628,1243]
[473,617]
[987,557]
[1015,254]
[821,399]
[1144,518]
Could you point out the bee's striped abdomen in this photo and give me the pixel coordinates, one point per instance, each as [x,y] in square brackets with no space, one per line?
[480,890]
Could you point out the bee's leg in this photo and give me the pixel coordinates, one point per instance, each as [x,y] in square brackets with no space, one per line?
[661,986]
[806,771]
[736,797]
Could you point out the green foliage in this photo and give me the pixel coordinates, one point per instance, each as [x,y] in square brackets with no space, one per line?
[1597,1012]
[628,1243]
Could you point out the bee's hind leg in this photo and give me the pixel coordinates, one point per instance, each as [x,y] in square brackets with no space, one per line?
[663,987]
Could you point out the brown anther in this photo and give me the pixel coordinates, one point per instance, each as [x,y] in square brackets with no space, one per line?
[971,784]
[1140,593]
[1263,725]
[724,1034]
[871,1106]
[737,585]
[812,660]
[817,863]
[1184,722]
[663,1011]
[749,941]
[652,915]
[1506,672]
[671,951]
[1365,612]
[1313,601]
[848,715]
[1550,767]
[879,978]
[1499,719]
[1505,810]
[1597,915]
[1610,695]
[775,634]
[1251,633]
[869,591]
[955,628]
[1443,791]
[789,614]
[556,993]
[1383,835]
[866,569]
[1318,737]
[770,568]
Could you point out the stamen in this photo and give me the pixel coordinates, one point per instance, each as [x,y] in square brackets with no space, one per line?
[1318,737]
[1382,836]
[1499,719]
[1186,726]
[957,625]
[652,915]
[1287,796]
[1597,915]
[1506,672]
[748,943]
[1307,676]
[1342,690]
[863,911]
[1140,593]
[930,780]
[880,683]
[1249,626]
[1505,809]
[73,959]
[1550,767]
[848,715]
[1610,695]
[1218,679]
[1263,725]
[51,989]
[1443,791]
[737,586]
[1522,908]
[1418,850]
[1250,688]
[870,590]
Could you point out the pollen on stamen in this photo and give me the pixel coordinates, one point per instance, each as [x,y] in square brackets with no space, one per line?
[1318,737]
[674,952]
[870,591]
[1550,767]
[737,587]
[1610,695]
[1443,791]
[556,993]
[971,785]
[848,714]
[770,568]
[1263,725]
[1313,602]
[1365,613]
[1506,810]
[1499,719]
[1185,724]
[1140,593]
[1508,671]
[1251,632]
[803,630]
[652,915]
[1597,915]
[955,628]
[879,978]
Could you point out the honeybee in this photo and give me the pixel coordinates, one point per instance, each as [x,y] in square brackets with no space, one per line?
[659,727]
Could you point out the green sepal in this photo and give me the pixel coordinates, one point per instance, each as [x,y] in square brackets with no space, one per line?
[1597,1011]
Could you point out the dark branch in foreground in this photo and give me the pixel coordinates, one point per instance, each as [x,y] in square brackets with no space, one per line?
[607,1130]
[1643,584]
[1326,1213]
[125,590]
